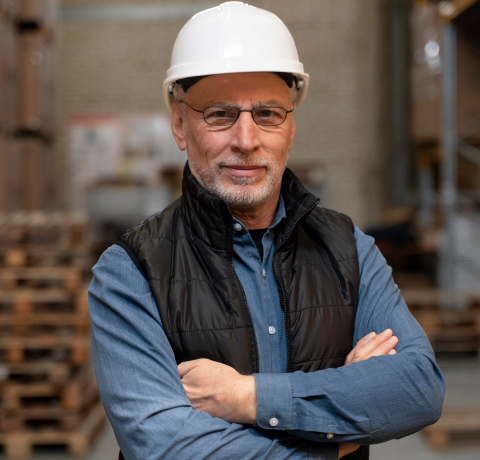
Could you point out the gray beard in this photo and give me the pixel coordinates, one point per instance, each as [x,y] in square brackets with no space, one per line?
[244,193]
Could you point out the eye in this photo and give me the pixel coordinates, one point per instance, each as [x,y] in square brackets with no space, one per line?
[269,116]
[265,113]
[221,116]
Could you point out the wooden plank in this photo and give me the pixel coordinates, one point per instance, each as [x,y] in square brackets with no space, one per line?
[73,395]
[32,323]
[47,229]
[69,277]
[15,348]
[58,416]
[38,257]
[46,371]
[435,297]
[453,421]
[52,295]
[20,444]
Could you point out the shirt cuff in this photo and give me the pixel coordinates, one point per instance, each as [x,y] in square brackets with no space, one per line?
[324,451]
[274,401]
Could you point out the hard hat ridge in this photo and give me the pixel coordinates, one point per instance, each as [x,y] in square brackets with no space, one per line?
[188,82]
[231,38]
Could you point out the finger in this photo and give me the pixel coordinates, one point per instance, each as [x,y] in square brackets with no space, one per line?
[186,367]
[374,343]
[385,347]
[392,352]
[363,341]
[359,345]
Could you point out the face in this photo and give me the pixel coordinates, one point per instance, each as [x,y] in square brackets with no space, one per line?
[243,164]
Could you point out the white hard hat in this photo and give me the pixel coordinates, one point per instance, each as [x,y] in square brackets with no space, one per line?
[230,38]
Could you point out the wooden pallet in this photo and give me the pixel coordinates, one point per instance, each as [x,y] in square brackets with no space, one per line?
[51,372]
[449,324]
[69,278]
[55,323]
[436,299]
[46,256]
[43,228]
[53,300]
[20,444]
[73,349]
[53,416]
[460,421]
[451,320]
[73,395]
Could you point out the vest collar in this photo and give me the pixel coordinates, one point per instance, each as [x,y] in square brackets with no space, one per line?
[210,220]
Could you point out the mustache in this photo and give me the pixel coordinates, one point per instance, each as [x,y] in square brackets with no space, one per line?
[243,161]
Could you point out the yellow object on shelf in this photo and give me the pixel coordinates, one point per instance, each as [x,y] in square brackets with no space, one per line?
[449,10]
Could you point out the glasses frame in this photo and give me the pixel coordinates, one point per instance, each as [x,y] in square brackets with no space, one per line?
[239,112]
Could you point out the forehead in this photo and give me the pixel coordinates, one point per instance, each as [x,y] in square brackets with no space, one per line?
[242,88]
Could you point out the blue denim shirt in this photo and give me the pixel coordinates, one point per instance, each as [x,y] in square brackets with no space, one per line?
[367,402]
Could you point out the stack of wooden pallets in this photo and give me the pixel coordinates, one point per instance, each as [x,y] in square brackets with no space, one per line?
[457,426]
[48,393]
[451,320]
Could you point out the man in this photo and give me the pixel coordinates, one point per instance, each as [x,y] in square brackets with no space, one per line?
[223,327]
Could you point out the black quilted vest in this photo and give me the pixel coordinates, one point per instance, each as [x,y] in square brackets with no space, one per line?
[186,254]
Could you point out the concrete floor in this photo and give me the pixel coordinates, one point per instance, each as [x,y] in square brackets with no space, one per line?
[463,389]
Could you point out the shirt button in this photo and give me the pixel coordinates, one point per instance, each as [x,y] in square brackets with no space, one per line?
[264,273]
[329,435]
[273,422]
[237,227]
[271,329]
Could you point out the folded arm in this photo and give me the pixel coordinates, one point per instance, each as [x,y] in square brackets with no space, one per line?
[369,401]
[373,400]
[141,389]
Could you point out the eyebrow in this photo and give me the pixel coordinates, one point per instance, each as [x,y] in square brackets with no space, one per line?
[268,103]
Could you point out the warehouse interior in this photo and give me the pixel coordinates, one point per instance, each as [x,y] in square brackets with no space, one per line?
[389,134]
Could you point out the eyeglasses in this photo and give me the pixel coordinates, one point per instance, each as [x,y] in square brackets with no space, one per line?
[227,116]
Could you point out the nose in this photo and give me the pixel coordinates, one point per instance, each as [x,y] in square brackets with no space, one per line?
[245,134]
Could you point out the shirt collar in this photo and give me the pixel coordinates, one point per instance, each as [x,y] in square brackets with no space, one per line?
[279,217]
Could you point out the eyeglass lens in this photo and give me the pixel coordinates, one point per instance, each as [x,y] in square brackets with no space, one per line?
[263,116]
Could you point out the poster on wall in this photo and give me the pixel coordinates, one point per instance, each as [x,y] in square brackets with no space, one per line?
[119,150]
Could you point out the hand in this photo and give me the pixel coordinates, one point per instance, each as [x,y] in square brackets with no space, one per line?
[219,390]
[345,449]
[373,345]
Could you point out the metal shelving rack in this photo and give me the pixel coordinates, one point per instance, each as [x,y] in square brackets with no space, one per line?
[455,15]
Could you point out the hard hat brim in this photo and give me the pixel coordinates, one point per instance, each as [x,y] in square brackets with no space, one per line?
[180,72]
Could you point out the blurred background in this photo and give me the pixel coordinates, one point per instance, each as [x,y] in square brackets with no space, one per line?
[389,134]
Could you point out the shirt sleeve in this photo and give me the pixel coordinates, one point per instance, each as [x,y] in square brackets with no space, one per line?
[371,401]
[141,390]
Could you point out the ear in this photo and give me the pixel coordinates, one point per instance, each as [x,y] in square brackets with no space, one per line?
[292,136]
[178,126]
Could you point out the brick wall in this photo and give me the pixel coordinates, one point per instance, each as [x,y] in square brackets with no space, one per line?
[120,66]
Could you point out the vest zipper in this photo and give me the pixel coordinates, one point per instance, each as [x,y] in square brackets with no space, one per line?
[245,304]
[282,287]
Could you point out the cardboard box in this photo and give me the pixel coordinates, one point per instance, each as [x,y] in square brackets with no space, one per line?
[26,174]
[10,176]
[36,83]
[42,12]
[8,73]
[9,8]
[425,79]
[37,173]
